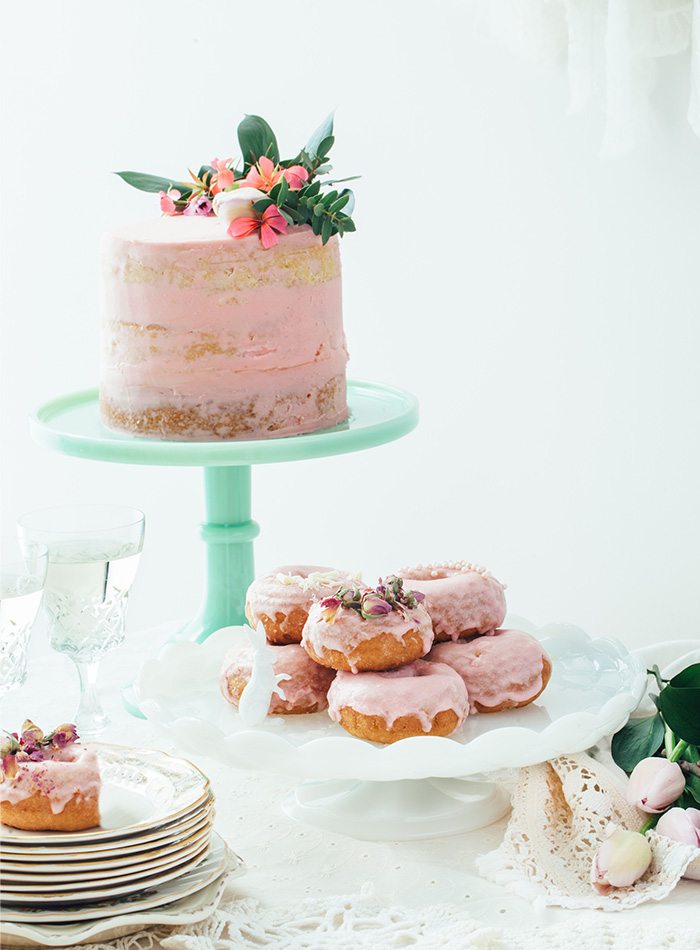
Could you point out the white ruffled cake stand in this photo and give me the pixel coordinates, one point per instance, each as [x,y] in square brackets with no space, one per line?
[422,787]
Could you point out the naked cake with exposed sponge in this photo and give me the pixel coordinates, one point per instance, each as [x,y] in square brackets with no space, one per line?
[223,318]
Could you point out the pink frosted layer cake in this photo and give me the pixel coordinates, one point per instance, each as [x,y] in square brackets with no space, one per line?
[209,338]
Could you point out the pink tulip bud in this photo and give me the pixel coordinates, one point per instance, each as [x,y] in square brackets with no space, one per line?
[621,860]
[681,824]
[654,784]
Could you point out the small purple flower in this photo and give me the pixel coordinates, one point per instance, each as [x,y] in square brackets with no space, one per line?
[329,608]
[374,606]
[63,735]
[200,206]
[31,733]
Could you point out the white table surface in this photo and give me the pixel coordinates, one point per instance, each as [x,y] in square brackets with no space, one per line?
[286,860]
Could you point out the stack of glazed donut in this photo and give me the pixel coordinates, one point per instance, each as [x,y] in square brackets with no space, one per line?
[412,656]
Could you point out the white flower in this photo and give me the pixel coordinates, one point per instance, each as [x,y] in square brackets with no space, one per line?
[229,205]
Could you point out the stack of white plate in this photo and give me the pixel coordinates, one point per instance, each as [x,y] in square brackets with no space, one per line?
[155,845]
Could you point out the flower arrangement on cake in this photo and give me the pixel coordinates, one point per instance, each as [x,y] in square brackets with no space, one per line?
[265,194]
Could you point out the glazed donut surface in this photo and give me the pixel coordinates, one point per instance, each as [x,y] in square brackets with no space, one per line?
[416,700]
[305,691]
[351,643]
[503,671]
[461,598]
[281,600]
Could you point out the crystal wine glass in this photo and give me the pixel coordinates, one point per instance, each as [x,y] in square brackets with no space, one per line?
[94,552]
[22,573]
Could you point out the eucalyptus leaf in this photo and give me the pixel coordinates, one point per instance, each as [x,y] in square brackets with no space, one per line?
[256,139]
[340,203]
[348,224]
[637,740]
[326,230]
[154,183]
[261,204]
[692,786]
[679,702]
[324,131]
[325,146]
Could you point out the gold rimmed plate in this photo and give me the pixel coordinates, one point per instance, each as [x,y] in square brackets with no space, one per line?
[95,893]
[219,860]
[113,847]
[71,879]
[142,791]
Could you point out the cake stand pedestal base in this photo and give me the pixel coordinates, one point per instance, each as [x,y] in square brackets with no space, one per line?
[402,810]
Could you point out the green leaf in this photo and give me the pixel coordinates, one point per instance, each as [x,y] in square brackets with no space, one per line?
[692,786]
[326,230]
[637,740]
[692,754]
[318,210]
[348,224]
[154,183]
[256,138]
[280,191]
[323,132]
[316,225]
[679,702]
[324,147]
[340,203]
[261,204]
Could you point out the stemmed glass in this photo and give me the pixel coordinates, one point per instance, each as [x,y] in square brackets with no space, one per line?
[94,552]
[22,574]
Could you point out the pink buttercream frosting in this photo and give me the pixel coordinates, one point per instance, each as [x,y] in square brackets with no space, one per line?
[307,684]
[197,321]
[461,598]
[294,585]
[420,689]
[503,668]
[349,629]
[59,776]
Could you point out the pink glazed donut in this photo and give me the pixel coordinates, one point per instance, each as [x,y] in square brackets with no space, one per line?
[305,691]
[421,699]
[503,671]
[461,598]
[282,599]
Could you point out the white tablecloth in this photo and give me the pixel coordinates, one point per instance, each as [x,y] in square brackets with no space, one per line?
[288,862]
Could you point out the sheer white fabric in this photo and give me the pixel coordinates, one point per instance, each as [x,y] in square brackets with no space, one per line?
[611,48]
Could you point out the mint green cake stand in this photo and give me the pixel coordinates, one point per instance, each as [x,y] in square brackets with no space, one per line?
[71,425]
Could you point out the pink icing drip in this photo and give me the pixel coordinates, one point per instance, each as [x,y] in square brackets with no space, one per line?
[459,600]
[267,595]
[506,667]
[59,777]
[308,683]
[349,629]
[420,689]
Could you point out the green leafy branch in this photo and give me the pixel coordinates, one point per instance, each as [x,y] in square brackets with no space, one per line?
[674,731]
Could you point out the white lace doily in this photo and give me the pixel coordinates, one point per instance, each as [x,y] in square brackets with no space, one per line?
[561,810]
[611,48]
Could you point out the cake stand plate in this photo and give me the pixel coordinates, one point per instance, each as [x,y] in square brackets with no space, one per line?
[425,786]
[71,425]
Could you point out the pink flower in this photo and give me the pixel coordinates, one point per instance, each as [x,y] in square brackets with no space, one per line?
[373,605]
[681,824]
[296,176]
[199,206]
[269,224]
[168,199]
[263,176]
[63,735]
[621,860]
[654,784]
[224,174]
[329,609]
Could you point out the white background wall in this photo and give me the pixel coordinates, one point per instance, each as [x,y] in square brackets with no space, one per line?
[541,303]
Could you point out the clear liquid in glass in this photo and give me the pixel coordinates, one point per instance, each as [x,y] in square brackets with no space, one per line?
[86,594]
[20,598]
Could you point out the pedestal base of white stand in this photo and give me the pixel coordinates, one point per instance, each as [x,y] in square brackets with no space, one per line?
[398,811]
